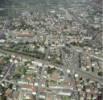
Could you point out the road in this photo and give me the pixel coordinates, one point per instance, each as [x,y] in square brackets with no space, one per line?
[82,22]
[85,74]
[7,73]
[82,73]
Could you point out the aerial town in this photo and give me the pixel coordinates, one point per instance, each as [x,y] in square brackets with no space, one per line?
[51,50]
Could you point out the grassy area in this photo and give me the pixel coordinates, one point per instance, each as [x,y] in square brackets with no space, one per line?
[66,98]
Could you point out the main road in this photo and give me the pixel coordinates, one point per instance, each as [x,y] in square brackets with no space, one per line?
[82,73]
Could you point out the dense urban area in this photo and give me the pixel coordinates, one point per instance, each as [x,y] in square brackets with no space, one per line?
[51,50]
